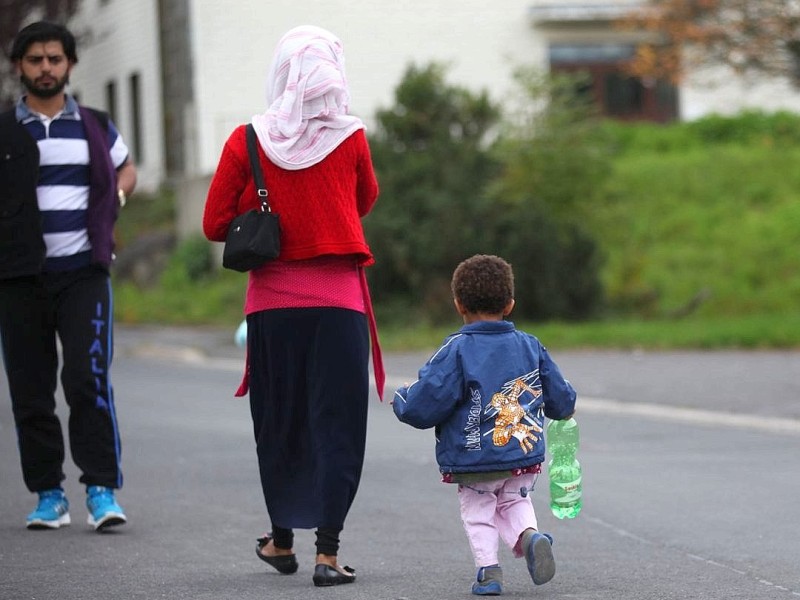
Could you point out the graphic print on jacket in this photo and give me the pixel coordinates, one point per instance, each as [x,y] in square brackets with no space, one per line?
[511,418]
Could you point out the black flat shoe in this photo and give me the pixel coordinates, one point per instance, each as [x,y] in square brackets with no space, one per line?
[283,563]
[325,575]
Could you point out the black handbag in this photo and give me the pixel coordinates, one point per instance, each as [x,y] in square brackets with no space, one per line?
[253,237]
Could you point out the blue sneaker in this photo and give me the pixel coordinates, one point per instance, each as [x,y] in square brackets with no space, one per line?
[539,556]
[490,581]
[103,508]
[52,511]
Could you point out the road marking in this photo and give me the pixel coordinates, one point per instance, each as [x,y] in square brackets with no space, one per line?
[607,406]
[677,414]
[694,416]
[714,563]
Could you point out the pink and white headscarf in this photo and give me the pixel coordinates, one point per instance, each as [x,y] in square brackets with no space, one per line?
[307,100]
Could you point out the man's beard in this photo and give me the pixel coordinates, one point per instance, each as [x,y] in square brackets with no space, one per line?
[44,92]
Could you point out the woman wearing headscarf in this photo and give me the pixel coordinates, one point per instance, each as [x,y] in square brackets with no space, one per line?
[309,316]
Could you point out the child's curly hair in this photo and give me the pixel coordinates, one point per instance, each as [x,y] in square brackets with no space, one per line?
[483,284]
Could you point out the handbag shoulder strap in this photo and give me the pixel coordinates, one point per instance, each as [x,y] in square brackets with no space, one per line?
[255,166]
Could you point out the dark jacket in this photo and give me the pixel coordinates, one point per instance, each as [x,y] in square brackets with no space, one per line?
[22,248]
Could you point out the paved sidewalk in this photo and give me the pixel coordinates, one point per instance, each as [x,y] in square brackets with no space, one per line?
[203,341]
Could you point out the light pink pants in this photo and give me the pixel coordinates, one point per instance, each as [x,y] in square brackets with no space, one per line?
[499,511]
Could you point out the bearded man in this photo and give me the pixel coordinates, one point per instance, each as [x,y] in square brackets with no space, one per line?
[64,172]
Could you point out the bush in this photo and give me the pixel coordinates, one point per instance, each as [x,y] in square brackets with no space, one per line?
[556,265]
[193,257]
[749,128]
[447,193]
[431,158]
[555,156]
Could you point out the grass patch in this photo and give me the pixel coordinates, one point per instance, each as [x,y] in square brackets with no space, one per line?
[145,213]
[750,332]
[178,300]
[722,222]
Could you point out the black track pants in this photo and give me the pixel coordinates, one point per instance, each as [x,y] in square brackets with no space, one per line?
[75,307]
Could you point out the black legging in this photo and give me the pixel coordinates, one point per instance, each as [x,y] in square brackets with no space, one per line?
[327,539]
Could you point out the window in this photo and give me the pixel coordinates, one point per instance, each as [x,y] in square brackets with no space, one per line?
[624,96]
[793,48]
[618,95]
[111,100]
[136,117]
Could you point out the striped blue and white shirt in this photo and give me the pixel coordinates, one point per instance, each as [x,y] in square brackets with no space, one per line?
[63,189]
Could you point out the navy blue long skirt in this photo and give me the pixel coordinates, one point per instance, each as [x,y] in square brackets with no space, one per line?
[309,386]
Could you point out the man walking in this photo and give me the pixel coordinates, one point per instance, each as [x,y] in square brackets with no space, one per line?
[64,171]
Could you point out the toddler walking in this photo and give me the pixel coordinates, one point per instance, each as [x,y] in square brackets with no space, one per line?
[487,391]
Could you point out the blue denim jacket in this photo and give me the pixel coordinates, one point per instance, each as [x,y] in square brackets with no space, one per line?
[487,391]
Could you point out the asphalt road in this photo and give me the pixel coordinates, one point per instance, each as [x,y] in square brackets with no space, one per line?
[690,488]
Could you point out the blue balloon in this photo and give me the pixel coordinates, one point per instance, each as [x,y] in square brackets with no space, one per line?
[241,334]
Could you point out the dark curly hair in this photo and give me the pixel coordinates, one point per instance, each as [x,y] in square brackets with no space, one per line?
[483,284]
[44,31]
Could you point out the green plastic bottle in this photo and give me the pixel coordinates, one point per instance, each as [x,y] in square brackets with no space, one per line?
[564,470]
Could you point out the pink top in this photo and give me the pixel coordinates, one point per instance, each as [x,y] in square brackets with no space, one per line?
[326,281]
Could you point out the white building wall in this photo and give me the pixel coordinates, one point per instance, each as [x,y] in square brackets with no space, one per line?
[720,91]
[121,39]
[233,44]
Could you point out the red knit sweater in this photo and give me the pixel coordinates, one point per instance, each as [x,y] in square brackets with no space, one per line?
[320,207]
